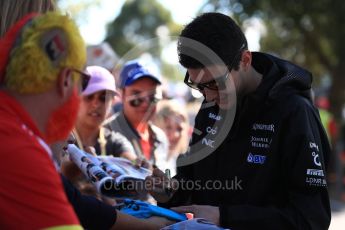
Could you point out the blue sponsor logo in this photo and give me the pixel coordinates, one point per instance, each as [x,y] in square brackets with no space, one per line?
[256,159]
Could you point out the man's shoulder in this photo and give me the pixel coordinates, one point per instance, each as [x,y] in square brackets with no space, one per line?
[299,111]
[119,124]
[299,103]
[12,132]
[8,125]
[31,169]
[113,136]
[292,104]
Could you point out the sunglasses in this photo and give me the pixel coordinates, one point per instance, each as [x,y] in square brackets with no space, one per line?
[150,99]
[218,82]
[212,85]
[84,77]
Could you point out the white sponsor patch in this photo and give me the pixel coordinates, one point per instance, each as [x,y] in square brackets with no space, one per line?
[214,116]
[207,142]
[316,159]
[266,127]
[260,142]
[313,145]
[315,172]
[316,181]
[211,130]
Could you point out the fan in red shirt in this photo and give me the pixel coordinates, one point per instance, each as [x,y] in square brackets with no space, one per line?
[41,78]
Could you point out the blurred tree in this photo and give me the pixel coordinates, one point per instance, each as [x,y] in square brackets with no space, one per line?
[144,25]
[172,72]
[308,33]
[77,9]
[138,22]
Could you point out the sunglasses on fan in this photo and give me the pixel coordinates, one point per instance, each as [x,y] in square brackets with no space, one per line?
[84,77]
[137,101]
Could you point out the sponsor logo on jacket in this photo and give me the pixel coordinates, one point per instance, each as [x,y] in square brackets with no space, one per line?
[311,181]
[212,130]
[266,127]
[207,142]
[256,159]
[214,116]
[315,148]
[260,142]
[315,172]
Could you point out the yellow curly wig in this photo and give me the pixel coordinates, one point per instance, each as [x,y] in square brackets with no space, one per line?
[29,68]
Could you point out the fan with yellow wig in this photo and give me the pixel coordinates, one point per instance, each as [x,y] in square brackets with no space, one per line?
[36,49]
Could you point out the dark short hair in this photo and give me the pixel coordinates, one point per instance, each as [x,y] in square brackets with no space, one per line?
[218,32]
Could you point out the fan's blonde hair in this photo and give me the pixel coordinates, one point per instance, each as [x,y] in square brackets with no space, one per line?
[178,112]
[29,68]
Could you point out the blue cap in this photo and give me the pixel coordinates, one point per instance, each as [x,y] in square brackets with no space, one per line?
[134,70]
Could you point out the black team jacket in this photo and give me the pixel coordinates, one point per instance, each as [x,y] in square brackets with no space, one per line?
[268,169]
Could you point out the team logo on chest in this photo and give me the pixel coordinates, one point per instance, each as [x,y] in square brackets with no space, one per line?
[265,127]
[256,159]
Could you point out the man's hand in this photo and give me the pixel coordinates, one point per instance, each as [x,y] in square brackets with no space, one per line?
[142,162]
[159,186]
[210,213]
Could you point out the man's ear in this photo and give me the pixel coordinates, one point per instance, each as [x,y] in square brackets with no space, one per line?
[64,82]
[246,59]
